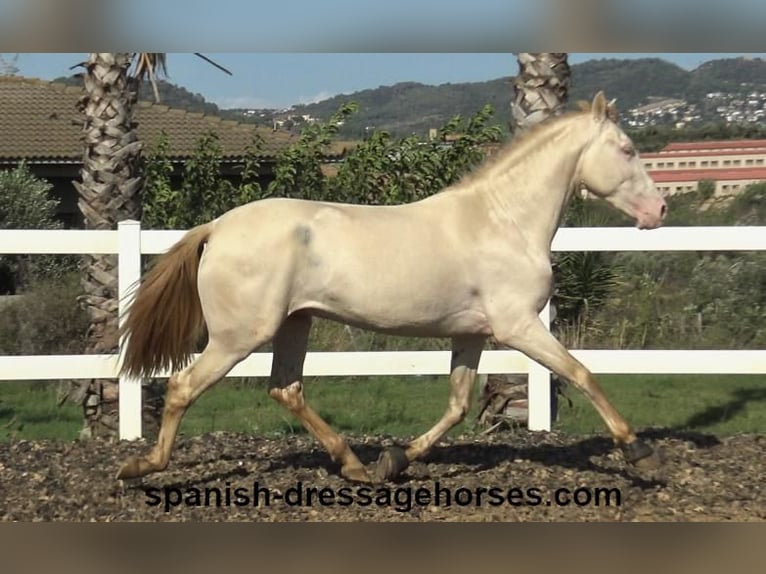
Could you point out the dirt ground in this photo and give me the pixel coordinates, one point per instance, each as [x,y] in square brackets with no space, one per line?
[502,477]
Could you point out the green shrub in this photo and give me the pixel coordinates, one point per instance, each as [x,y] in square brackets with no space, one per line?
[204,193]
[749,207]
[25,203]
[706,189]
[45,319]
[730,299]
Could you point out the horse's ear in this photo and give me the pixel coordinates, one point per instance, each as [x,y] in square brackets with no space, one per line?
[598,107]
[611,110]
[583,106]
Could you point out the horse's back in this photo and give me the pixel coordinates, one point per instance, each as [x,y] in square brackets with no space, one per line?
[361,229]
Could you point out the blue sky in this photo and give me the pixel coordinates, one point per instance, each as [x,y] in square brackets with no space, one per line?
[281,79]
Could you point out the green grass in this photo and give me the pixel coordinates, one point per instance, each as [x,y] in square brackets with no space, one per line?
[407,406]
[29,410]
[382,405]
[718,404]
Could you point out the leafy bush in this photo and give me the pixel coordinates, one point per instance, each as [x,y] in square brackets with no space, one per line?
[298,170]
[46,319]
[379,171]
[684,300]
[749,207]
[25,203]
[387,171]
[730,299]
[204,194]
[706,189]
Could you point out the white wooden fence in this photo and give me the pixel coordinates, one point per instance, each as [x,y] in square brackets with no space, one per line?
[129,242]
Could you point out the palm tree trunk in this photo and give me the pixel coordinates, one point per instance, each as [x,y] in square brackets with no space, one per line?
[541,89]
[110,192]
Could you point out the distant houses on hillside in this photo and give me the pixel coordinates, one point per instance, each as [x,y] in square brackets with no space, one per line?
[729,107]
[284,119]
[662,111]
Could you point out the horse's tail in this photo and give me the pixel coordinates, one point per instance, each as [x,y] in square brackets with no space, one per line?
[165,320]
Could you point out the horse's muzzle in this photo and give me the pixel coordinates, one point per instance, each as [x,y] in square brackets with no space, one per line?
[652,213]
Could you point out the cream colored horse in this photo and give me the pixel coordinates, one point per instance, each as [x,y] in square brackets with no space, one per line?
[470,262]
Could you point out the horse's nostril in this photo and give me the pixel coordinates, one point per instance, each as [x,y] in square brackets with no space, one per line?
[663,210]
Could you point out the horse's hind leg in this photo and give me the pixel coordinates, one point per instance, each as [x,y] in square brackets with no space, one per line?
[286,387]
[183,389]
[466,352]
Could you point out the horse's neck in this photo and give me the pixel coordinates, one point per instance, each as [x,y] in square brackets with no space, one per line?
[532,193]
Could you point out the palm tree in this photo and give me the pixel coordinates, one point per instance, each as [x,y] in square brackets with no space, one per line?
[110,192]
[541,89]
[9,67]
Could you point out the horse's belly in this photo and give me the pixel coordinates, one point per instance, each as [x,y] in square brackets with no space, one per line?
[467,323]
[415,310]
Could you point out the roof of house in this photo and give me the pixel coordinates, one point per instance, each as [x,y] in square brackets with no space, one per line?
[38,122]
[745,173]
[703,153]
[715,145]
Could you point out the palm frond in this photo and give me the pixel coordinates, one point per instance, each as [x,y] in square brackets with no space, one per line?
[147,64]
[150,64]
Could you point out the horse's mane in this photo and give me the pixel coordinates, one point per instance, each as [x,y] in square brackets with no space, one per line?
[520,144]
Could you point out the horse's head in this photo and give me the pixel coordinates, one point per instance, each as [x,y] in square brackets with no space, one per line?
[609,168]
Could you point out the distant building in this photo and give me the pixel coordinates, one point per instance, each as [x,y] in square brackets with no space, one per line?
[732,165]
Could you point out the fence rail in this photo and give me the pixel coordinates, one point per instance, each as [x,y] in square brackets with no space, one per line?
[130,242]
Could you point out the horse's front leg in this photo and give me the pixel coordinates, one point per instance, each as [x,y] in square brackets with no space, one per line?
[466,352]
[528,335]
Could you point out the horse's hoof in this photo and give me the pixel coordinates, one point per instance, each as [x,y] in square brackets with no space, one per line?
[356,474]
[134,467]
[391,463]
[652,462]
[641,455]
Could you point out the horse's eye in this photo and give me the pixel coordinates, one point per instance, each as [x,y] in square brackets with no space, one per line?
[628,150]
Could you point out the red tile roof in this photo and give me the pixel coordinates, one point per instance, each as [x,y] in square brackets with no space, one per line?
[683,154]
[714,145]
[37,123]
[745,173]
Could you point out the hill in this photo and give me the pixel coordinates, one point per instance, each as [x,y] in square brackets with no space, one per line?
[735,75]
[632,82]
[170,95]
[411,107]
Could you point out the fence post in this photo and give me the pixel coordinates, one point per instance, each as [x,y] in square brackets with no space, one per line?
[129,274]
[539,387]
